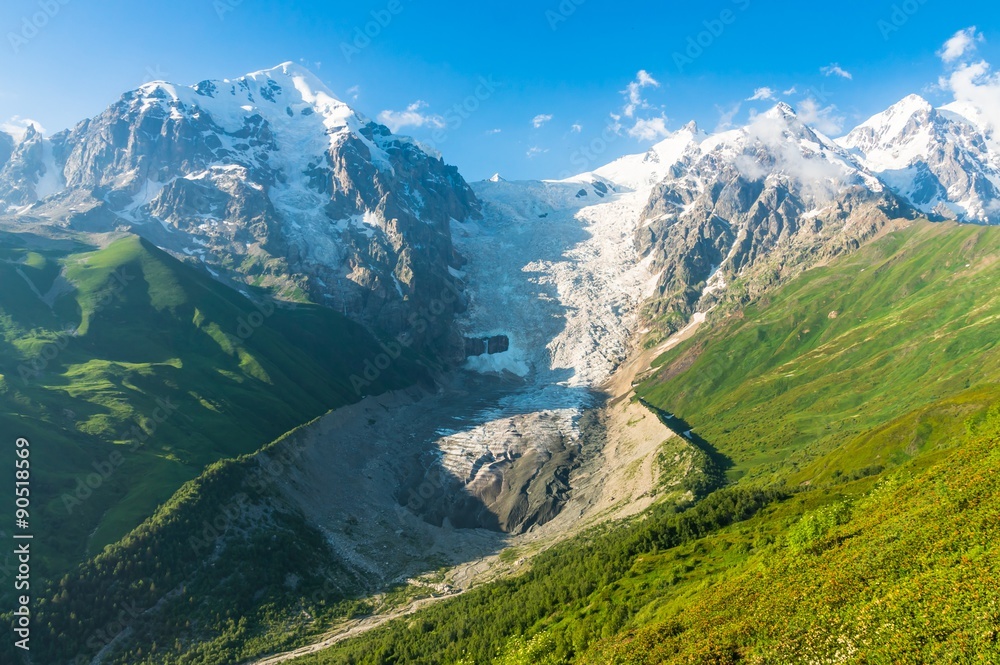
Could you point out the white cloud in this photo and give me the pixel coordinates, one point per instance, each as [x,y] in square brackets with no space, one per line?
[633,92]
[540,119]
[18,126]
[962,42]
[726,116]
[411,117]
[834,69]
[494,131]
[649,129]
[576,128]
[976,90]
[354,92]
[823,118]
[817,177]
[790,91]
[534,151]
[761,94]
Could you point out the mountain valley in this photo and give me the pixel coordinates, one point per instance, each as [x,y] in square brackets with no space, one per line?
[306,395]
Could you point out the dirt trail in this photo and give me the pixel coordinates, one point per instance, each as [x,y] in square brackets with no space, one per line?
[617,478]
[351,629]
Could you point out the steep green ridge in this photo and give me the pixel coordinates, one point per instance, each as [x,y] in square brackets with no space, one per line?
[860,525]
[130,372]
[906,325]
[211,577]
[904,575]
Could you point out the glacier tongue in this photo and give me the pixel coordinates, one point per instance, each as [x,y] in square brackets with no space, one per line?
[554,268]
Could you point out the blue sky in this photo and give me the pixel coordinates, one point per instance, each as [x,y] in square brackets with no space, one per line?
[524,88]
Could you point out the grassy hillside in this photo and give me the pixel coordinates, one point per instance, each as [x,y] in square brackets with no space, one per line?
[812,382]
[904,575]
[130,372]
[856,411]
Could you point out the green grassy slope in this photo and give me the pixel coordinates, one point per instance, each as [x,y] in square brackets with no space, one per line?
[860,521]
[906,576]
[130,372]
[793,387]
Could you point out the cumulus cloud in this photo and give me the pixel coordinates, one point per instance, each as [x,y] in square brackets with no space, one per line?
[818,178]
[823,118]
[649,129]
[976,90]
[834,69]
[633,93]
[17,126]
[534,151]
[790,91]
[411,117]
[540,119]
[576,128]
[962,42]
[763,93]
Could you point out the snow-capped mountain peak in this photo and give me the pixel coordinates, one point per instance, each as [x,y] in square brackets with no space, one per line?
[781,110]
[938,160]
[292,100]
[310,196]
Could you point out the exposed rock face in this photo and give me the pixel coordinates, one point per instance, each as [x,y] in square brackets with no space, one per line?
[754,205]
[22,167]
[267,180]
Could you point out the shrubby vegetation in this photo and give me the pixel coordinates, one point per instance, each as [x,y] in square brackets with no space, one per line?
[131,372]
[860,406]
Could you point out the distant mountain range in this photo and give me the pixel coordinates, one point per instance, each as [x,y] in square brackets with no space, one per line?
[269,180]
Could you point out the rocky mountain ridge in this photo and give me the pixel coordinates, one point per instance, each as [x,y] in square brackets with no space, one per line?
[267,180]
